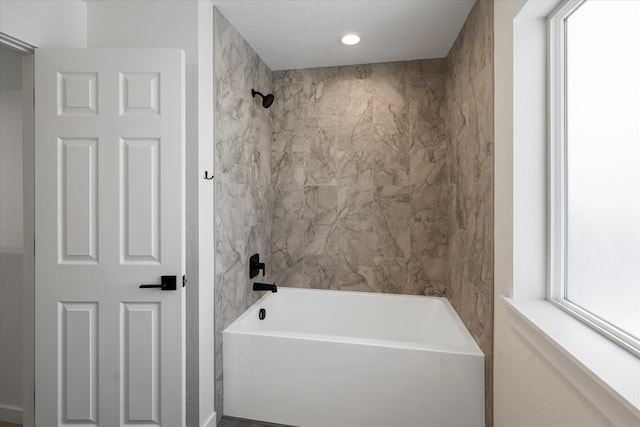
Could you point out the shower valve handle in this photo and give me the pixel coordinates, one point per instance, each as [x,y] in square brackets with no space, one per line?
[255,266]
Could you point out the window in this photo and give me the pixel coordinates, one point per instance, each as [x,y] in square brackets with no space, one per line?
[594,182]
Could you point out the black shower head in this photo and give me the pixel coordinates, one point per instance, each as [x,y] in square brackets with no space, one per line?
[267,100]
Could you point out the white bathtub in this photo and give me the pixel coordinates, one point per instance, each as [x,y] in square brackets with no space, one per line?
[347,359]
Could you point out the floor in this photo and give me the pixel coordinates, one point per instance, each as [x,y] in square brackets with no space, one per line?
[226,422]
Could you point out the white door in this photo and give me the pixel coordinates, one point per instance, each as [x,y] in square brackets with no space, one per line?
[109,162]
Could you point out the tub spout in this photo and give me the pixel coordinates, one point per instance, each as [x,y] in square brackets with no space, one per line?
[265,287]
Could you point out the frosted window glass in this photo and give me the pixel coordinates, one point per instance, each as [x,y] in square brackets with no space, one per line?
[603,161]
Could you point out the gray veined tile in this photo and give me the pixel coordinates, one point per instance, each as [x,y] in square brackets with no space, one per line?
[355,72]
[391,274]
[355,169]
[428,67]
[231,155]
[288,202]
[428,166]
[287,168]
[317,239]
[355,203]
[321,204]
[320,90]
[428,267]
[470,214]
[288,240]
[320,271]
[292,278]
[428,116]
[389,85]
[429,203]
[320,161]
[354,242]
[243,168]
[356,132]
[391,221]
[391,167]
[353,277]
[391,126]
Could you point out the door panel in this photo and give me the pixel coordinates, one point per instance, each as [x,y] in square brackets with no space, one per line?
[79,344]
[141,362]
[77,196]
[109,156]
[140,200]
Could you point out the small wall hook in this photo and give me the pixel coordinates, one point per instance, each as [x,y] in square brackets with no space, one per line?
[207,177]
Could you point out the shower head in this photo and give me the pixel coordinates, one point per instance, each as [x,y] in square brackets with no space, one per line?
[267,100]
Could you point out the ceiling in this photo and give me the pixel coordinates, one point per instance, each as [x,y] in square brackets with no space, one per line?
[291,34]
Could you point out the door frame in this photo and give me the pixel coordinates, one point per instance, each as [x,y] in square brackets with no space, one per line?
[28,194]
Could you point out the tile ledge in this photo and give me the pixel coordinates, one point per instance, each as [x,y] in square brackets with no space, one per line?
[607,375]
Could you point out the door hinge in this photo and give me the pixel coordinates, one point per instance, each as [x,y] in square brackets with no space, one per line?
[184,280]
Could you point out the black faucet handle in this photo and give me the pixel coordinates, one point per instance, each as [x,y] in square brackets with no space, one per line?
[261,267]
[255,266]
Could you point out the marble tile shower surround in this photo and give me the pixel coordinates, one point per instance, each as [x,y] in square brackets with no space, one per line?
[373,177]
[470,158]
[359,171]
[243,189]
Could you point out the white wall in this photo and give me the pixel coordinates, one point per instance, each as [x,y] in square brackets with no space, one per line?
[10,336]
[11,224]
[187,25]
[10,69]
[39,23]
[536,383]
[180,24]
[11,235]
[45,23]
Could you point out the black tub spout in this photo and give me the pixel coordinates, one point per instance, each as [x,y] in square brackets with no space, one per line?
[265,287]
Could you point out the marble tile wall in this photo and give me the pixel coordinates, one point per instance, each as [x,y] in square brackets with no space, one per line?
[359,171]
[243,191]
[470,158]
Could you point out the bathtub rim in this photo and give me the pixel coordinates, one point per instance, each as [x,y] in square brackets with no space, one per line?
[470,348]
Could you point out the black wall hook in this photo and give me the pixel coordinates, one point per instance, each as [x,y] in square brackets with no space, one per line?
[208,178]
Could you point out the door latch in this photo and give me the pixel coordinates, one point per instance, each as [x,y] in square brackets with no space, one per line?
[167,283]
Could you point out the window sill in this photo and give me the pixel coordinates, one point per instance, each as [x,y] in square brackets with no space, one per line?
[607,375]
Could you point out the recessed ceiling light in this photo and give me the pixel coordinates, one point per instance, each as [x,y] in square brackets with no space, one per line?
[350,39]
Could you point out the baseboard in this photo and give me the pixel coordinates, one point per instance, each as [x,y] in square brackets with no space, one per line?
[11,414]
[211,421]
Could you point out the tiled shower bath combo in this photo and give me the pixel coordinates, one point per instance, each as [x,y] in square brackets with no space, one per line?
[374,177]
